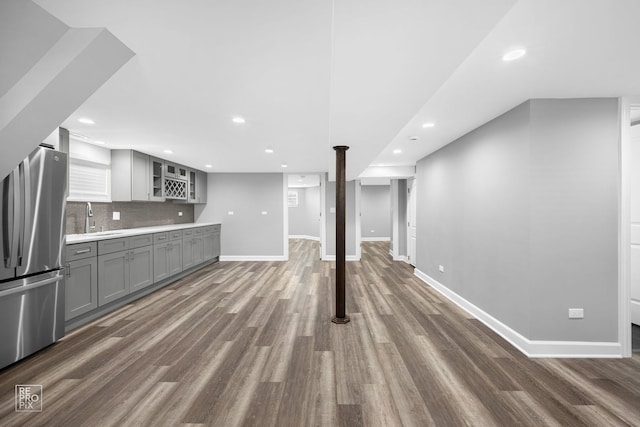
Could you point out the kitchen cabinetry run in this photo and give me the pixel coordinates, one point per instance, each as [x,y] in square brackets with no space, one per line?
[81,282]
[101,273]
[121,272]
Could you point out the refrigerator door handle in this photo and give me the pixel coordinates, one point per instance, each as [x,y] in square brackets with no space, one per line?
[11,207]
[7,206]
[25,219]
[20,289]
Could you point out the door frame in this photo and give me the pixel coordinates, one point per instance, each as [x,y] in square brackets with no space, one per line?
[412,210]
[624,224]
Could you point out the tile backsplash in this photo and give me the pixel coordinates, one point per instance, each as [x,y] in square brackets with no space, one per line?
[132,215]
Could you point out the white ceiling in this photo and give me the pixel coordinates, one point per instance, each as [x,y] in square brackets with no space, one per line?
[310,75]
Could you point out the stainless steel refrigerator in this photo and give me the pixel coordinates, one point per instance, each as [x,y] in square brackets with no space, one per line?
[32,236]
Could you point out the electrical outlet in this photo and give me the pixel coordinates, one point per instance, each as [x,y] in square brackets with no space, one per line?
[441,268]
[116,216]
[576,313]
[179,213]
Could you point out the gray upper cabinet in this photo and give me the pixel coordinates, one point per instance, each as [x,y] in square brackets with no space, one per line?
[197,186]
[137,176]
[131,176]
[156,167]
[201,187]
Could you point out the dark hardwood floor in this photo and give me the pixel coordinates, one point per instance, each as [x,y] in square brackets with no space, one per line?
[251,343]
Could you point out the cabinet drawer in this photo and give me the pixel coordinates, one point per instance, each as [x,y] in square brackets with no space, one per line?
[140,241]
[188,232]
[113,245]
[175,235]
[160,238]
[199,230]
[211,228]
[80,251]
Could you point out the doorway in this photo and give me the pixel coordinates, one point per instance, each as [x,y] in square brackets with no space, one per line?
[304,204]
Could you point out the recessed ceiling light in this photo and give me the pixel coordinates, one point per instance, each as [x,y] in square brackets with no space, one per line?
[268,150]
[168,152]
[428,125]
[514,54]
[86,121]
[284,165]
[208,166]
[397,151]
[238,120]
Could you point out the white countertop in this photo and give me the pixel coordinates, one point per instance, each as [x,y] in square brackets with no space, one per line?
[114,234]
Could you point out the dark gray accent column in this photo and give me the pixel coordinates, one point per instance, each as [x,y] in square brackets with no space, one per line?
[341,208]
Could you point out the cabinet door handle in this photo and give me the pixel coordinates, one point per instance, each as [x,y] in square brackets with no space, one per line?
[83,251]
[67,270]
[162,237]
[133,255]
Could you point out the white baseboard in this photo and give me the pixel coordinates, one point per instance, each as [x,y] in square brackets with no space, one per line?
[347,258]
[303,236]
[402,258]
[375,239]
[531,348]
[253,258]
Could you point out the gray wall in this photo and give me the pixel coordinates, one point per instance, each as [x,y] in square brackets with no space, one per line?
[375,209]
[304,220]
[350,235]
[247,232]
[132,215]
[522,213]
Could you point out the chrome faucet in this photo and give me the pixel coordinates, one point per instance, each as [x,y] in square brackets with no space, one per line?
[89,214]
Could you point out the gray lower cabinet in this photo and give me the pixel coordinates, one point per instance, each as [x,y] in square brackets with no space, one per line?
[211,243]
[120,273]
[113,276]
[167,260]
[140,268]
[192,251]
[81,287]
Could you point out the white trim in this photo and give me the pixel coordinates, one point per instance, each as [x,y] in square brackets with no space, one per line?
[285,216]
[347,258]
[323,215]
[358,212]
[394,218]
[253,258]
[624,227]
[531,348]
[375,239]
[304,236]
[402,258]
